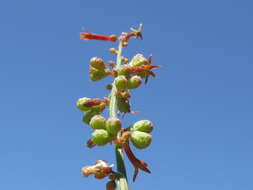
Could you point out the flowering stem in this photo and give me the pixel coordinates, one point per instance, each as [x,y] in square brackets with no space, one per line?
[122,181]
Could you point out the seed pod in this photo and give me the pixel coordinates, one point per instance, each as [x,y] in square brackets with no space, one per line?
[143,126]
[138,60]
[100,137]
[97,63]
[96,74]
[140,139]
[80,103]
[121,83]
[111,185]
[88,115]
[113,126]
[134,82]
[98,122]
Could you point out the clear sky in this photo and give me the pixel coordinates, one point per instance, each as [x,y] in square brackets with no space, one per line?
[201,101]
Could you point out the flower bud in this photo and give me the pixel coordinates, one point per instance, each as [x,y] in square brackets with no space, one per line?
[100,137]
[88,115]
[121,83]
[113,51]
[97,63]
[138,60]
[143,126]
[124,60]
[113,126]
[140,139]
[111,185]
[134,82]
[98,122]
[81,103]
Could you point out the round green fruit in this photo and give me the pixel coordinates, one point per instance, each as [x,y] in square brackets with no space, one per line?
[121,83]
[134,82]
[88,115]
[96,75]
[98,122]
[97,63]
[100,137]
[140,139]
[143,126]
[113,126]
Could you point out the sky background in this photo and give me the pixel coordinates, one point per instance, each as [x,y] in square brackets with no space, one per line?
[201,101]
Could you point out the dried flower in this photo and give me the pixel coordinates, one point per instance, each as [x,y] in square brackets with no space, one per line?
[101,169]
[138,164]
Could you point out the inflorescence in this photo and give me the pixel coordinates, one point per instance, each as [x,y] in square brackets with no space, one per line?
[127,75]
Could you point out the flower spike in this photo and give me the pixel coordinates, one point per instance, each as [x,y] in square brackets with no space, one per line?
[127,75]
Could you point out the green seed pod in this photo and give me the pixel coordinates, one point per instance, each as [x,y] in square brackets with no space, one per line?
[80,104]
[100,137]
[138,60]
[98,122]
[88,115]
[113,126]
[96,74]
[121,83]
[97,63]
[134,82]
[143,126]
[123,105]
[140,139]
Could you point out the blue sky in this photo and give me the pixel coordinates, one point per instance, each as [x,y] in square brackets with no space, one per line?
[201,101]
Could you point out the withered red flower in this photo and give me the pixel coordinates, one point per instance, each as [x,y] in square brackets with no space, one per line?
[92,36]
[138,164]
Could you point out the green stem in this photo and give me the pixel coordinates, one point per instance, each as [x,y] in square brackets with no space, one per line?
[122,180]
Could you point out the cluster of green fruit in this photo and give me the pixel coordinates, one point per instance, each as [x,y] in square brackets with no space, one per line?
[122,83]
[106,130]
